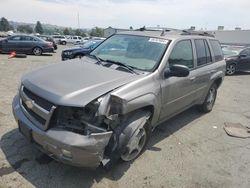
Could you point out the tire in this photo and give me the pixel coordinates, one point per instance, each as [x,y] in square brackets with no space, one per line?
[132,152]
[208,104]
[231,69]
[37,51]
[63,42]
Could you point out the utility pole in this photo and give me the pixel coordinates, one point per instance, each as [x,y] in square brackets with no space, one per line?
[78,20]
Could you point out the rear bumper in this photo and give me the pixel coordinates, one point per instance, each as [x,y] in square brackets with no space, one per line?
[85,151]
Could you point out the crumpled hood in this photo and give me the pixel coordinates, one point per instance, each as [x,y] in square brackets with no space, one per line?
[75,83]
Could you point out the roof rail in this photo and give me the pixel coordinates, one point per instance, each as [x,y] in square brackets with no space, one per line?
[163,30]
[156,29]
[181,32]
[201,33]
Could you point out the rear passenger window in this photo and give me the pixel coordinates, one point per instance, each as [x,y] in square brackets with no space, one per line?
[217,50]
[202,51]
[182,54]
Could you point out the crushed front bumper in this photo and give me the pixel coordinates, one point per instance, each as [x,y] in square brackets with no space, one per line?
[82,150]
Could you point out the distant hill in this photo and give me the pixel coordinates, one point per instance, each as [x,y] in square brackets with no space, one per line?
[48,28]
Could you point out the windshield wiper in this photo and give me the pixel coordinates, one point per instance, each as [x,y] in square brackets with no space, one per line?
[130,68]
[99,60]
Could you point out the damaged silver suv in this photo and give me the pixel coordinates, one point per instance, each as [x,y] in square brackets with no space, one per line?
[103,107]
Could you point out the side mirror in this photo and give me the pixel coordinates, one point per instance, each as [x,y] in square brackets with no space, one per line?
[177,70]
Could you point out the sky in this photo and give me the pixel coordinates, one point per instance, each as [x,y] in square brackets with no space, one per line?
[180,14]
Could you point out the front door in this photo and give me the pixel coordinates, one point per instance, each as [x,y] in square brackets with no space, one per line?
[244,60]
[11,44]
[178,93]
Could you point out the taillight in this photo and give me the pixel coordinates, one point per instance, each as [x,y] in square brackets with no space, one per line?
[50,44]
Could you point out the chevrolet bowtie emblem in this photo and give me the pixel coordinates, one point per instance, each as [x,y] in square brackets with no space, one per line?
[29,104]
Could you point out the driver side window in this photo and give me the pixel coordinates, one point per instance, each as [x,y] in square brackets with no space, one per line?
[182,54]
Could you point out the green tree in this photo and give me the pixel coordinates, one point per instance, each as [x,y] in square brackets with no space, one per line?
[4,25]
[25,29]
[66,31]
[97,32]
[39,27]
[79,32]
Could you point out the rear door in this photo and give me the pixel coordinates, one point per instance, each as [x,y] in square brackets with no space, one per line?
[204,67]
[178,93]
[244,60]
[26,44]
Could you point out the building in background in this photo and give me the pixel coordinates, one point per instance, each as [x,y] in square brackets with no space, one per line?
[234,37]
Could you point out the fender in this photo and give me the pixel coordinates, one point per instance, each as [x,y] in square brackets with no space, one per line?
[134,123]
[143,101]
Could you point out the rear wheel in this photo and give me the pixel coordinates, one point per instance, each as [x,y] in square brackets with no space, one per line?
[63,42]
[231,69]
[136,144]
[208,104]
[37,51]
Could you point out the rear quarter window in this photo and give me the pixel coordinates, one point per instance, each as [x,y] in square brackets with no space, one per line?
[216,47]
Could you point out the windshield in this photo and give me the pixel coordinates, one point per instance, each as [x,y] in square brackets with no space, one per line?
[139,52]
[90,43]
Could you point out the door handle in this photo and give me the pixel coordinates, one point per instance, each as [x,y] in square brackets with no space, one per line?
[212,71]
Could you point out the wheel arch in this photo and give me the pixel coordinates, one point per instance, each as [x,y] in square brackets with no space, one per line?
[37,47]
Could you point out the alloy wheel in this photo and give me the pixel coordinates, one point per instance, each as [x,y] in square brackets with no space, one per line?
[231,69]
[135,145]
[37,51]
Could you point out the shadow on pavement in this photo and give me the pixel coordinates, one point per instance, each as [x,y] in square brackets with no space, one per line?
[42,171]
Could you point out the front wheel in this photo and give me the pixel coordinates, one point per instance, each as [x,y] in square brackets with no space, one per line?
[208,104]
[37,51]
[231,69]
[136,144]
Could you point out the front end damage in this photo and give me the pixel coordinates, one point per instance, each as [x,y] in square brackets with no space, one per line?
[80,136]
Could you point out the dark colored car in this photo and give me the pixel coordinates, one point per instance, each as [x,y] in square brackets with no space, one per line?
[25,44]
[237,59]
[80,51]
[49,39]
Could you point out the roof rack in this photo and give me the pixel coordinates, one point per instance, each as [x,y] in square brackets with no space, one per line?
[181,32]
[191,32]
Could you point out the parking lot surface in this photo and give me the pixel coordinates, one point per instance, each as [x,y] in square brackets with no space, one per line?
[190,150]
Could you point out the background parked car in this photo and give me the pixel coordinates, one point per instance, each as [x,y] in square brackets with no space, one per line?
[60,39]
[25,44]
[49,39]
[80,51]
[237,58]
[74,39]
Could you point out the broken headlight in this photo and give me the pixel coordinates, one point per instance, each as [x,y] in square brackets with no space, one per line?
[116,105]
[81,120]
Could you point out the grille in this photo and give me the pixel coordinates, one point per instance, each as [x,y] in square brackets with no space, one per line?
[37,109]
[33,114]
[40,101]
